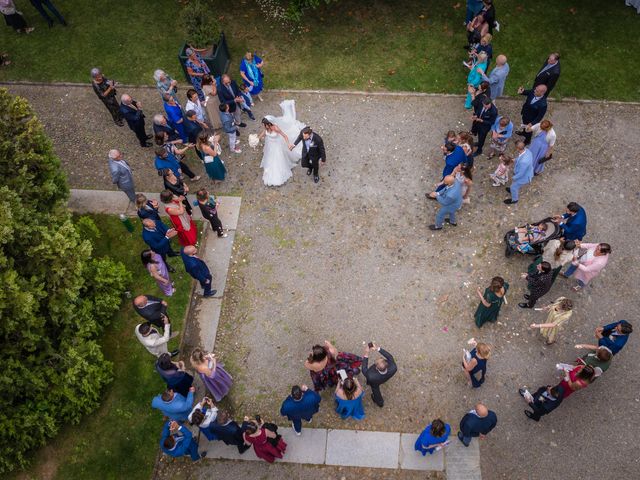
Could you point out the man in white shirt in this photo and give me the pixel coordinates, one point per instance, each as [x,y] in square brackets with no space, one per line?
[152,340]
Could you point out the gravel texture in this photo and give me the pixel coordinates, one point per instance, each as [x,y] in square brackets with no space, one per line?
[352,260]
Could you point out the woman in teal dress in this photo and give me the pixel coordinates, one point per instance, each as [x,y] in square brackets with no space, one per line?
[210,154]
[348,397]
[491,301]
[433,436]
[475,76]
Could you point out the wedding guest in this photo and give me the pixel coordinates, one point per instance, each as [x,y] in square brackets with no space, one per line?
[13,18]
[544,401]
[549,73]
[39,6]
[580,377]
[210,154]
[175,116]
[209,209]
[204,414]
[614,336]
[473,7]
[573,222]
[324,361]
[488,10]
[212,373]
[161,126]
[450,199]
[483,120]
[522,172]
[433,437]
[229,95]
[497,77]
[147,208]
[132,112]
[491,301]
[182,221]
[192,127]
[533,110]
[166,85]
[151,339]
[539,282]
[174,374]
[152,309]
[196,69]
[122,174]
[228,431]
[478,97]
[174,158]
[251,73]
[474,77]
[476,363]
[501,174]
[158,237]
[267,444]
[380,372]
[105,89]
[478,422]
[158,271]
[348,398]
[212,102]
[560,312]
[177,441]
[229,127]
[544,138]
[193,103]
[302,404]
[198,270]
[173,405]
[588,265]
[177,187]
[464,175]
[599,358]
[558,253]
[501,132]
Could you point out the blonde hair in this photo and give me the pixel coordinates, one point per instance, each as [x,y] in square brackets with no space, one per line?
[140,200]
[546,125]
[487,38]
[197,356]
[482,56]
[484,350]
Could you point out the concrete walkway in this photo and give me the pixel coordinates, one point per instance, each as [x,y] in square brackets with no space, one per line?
[348,448]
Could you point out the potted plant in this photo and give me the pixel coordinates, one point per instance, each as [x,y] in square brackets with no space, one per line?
[201,28]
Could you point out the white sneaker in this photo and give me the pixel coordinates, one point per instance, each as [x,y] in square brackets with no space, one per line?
[294,430]
[237,142]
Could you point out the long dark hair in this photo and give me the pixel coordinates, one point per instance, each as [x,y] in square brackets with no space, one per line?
[146,256]
[349,387]
[318,354]
[437,428]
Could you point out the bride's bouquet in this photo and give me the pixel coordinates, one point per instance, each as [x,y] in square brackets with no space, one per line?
[254,140]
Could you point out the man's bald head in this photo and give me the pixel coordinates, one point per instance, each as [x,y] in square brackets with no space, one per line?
[149,222]
[501,60]
[190,250]
[481,410]
[449,179]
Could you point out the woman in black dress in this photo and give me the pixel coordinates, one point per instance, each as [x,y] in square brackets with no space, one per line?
[176,186]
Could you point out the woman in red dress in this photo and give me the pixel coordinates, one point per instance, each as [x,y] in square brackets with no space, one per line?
[577,379]
[267,444]
[182,221]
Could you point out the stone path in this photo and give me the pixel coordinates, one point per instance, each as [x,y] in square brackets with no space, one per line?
[348,448]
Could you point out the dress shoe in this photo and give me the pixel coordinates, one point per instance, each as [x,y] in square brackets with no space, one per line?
[120,124]
[210,294]
[173,254]
[526,295]
[530,415]
[450,223]
[316,179]
[175,352]
[524,305]
[508,201]
[434,228]
[242,125]
[146,145]
[508,189]
[309,172]
[460,437]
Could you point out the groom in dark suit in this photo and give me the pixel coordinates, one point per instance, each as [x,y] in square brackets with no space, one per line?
[312,151]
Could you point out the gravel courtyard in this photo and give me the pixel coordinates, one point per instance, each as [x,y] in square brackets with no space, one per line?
[352,260]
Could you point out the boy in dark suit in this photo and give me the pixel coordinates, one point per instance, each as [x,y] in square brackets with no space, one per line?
[544,401]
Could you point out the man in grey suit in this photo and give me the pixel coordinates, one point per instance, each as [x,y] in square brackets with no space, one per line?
[121,174]
[497,77]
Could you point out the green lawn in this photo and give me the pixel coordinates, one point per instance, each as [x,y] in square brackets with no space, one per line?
[380,44]
[119,440]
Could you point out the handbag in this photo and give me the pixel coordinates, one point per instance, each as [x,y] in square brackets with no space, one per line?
[208,159]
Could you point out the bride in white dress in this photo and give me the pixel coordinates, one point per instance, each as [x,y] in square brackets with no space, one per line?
[279,134]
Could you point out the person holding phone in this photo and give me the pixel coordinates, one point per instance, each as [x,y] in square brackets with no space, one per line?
[348,397]
[380,372]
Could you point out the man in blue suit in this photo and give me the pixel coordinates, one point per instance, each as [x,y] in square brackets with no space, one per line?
[177,441]
[197,269]
[478,422]
[533,110]
[302,404]
[228,431]
[522,172]
[229,94]
[158,237]
[450,197]
[573,222]
[173,405]
[614,336]
[453,156]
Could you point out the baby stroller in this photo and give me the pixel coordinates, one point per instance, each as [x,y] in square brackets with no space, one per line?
[536,240]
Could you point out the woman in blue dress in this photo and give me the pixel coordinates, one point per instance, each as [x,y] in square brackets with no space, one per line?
[174,116]
[433,436]
[197,69]
[348,397]
[541,147]
[476,364]
[251,72]
[475,76]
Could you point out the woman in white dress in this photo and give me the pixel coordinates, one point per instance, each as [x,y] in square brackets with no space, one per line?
[279,155]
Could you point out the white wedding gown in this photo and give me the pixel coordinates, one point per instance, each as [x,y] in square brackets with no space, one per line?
[277,159]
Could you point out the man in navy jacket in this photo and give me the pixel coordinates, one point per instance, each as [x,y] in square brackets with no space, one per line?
[132,113]
[573,222]
[228,431]
[158,237]
[478,421]
[483,119]
[229,94]
[302,404]
[533,109]
[197,269]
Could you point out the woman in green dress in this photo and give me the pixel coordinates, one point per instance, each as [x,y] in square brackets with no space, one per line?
[491,301]
[210,156]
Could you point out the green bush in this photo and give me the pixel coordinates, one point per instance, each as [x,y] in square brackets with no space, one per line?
[55,299]
[200,24]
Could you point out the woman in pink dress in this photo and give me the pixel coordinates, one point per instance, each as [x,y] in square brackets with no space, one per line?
[577,379]
[212,373]
[267,444]
[182,221]
[158,270]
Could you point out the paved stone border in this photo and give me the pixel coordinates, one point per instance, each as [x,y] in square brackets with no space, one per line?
[330,92]
[348,448]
